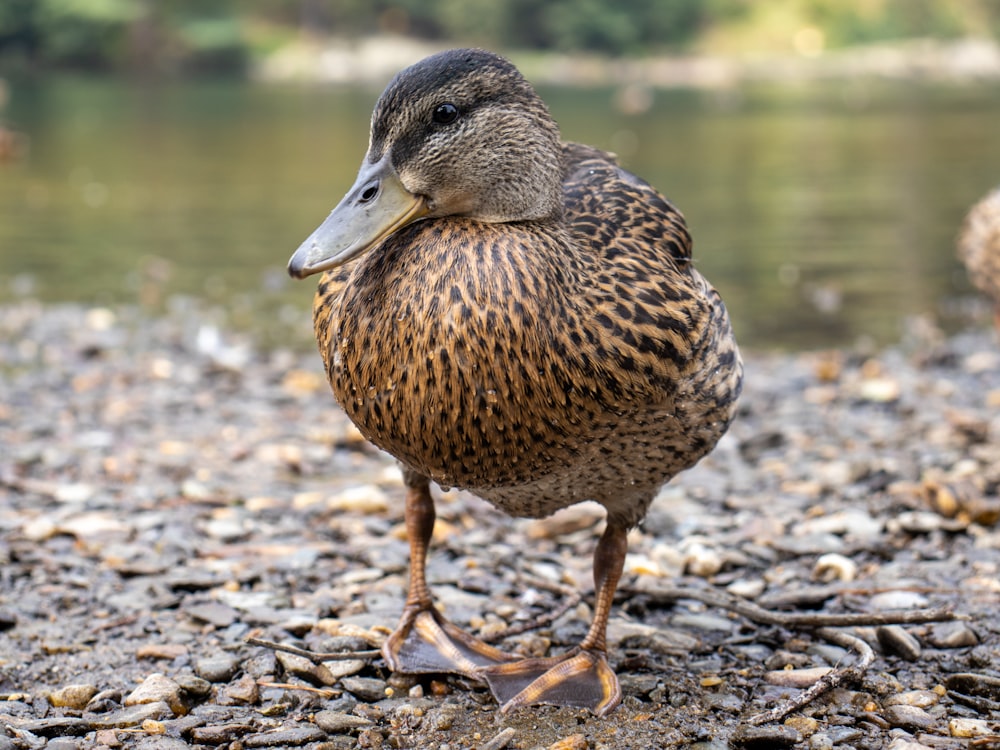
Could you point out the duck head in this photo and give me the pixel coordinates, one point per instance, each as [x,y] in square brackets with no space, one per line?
[461,133]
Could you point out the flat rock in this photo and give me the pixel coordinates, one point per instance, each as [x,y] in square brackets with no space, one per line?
[290,737]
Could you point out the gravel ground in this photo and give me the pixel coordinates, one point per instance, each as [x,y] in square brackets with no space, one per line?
[167,490]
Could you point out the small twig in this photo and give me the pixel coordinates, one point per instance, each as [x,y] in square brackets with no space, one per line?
[572,597]
[316,657]
[323,692]
[763,616]
[823,623]
[825,683]
[501,740]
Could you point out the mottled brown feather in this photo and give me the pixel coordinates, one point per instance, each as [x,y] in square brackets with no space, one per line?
[537,363]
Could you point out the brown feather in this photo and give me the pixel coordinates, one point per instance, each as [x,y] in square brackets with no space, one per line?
[541,362]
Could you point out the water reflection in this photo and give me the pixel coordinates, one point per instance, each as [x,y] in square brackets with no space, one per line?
[823,213]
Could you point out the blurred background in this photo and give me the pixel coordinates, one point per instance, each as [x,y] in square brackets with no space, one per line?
[823,151]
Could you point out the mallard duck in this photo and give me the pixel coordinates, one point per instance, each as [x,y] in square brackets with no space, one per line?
[979,248]
[518,317]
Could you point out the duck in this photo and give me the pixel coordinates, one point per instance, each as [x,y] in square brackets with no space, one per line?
[519,317]
[979,248]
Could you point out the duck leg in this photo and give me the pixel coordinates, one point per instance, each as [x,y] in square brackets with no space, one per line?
[582,676]
[424,641]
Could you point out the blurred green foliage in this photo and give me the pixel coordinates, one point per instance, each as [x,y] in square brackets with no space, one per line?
[225,34]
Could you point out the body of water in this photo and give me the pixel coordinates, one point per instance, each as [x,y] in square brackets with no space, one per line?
[825,213]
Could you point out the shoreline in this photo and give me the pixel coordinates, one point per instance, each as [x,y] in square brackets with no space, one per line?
[373,60]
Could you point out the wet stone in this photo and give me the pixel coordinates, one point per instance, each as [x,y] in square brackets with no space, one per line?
[365,688]
[135,715]
[639,684]
[918,698]
[336,722]
[56,726]
[909,717]
[290,737]
[963,727]
[158,688]
[72,696]
[952,635]
[761,738]
[300,666]
[194,687]
[220,734]
[243,691]
[213,613]
[895,639]
[219,668]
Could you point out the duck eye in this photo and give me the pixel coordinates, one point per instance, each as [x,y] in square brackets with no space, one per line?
[445,114]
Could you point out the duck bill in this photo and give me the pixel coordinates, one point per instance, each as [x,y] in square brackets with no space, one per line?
[376,206]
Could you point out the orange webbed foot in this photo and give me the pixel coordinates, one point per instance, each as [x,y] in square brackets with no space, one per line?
[581,678]
[426,642]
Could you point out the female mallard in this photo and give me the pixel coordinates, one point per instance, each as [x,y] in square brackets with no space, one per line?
[518,317]
[979,248]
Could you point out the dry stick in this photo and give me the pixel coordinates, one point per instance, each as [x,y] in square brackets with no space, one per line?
[501,740]
[324,692]
[315,656]
[824,624]
[572,597]
[763,616]
[825,683]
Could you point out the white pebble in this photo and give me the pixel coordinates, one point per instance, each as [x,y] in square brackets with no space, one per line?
[834,567]
[969,728]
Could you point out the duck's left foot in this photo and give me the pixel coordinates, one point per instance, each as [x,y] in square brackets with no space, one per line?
[581,678]
[426,642]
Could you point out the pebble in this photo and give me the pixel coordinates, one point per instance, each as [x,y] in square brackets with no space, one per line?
[344,667]
[896,639]
[214,613]
[834,567]
[243,691]
[572,742]
[962,727]
[133,716]
[918,698]
[908,717]
[804,725]
[158,688]
[897,599]
[747,588]
[336,722]
[169,651]
[701,560]
[73,696]
[194,686]
[971,683]
[220,734]
[444,717]
[906,743]
[365,688]
[286,737]
[300,666]
[953,634]
[774,736]
[219,668]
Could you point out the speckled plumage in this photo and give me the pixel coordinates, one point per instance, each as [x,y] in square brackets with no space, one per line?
[537,364]
[979,247]
[539,336]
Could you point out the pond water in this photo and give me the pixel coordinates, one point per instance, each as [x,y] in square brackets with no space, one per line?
[825,213]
